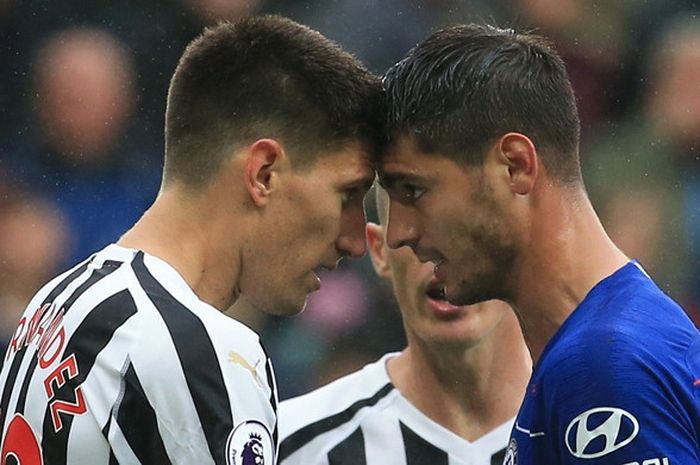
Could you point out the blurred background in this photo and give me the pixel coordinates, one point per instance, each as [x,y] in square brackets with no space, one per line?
[82,99]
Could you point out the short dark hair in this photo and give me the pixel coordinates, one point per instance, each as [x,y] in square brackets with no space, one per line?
[265,76]
[465,86]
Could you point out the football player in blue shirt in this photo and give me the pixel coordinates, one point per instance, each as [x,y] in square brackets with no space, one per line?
[483,173]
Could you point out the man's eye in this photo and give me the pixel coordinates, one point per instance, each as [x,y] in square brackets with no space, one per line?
[412,193]
[349,195]
[418,192]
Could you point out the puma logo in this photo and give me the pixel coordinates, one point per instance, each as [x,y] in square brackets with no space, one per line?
[237,359]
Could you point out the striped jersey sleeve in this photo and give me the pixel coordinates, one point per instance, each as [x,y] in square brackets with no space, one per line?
[118,361]
[362,419]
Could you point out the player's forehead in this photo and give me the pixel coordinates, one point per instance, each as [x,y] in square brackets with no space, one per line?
[350,164]
[404,161]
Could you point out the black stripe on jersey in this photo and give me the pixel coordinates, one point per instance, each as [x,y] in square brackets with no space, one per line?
[198,360]
[273,396]
[105,433]
[17,361]
[137,420]
[95,276]
[306,434]
[89,339]
[497,458]
[419,451]
[351,451]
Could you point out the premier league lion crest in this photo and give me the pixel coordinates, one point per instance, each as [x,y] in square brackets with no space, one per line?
[250,443]
[253,451]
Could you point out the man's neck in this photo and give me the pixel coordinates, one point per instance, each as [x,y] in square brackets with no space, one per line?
[469,391]
[185,237]
[568,253]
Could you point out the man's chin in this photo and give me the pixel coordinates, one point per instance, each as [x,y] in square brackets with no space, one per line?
[462,296]
[293,306]
[300,308]
[283,307]
[452,338]
[458,298]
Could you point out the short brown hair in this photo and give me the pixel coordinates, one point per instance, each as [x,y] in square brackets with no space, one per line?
[265,76]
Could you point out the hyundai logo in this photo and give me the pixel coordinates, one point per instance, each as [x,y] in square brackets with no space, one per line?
[616,427]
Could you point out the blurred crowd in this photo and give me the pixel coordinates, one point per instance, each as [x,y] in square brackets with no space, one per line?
[83,87]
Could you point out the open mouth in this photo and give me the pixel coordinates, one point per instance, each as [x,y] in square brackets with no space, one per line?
[438,302]
[436,292]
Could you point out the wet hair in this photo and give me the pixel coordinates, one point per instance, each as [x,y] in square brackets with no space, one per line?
[466,86]
[265,77]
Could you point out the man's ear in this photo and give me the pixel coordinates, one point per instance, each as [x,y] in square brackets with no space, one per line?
[263,161]
[520,154]
[377,251]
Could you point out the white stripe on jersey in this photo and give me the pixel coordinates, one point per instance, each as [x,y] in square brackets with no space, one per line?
[122,450]
[138,368]
[386,429]
[86,430]
[362,419]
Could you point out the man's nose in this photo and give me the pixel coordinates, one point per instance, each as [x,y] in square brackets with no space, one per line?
[402,227]
[351,240]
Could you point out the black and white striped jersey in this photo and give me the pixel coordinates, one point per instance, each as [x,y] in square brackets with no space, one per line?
[118,361]
[362,419]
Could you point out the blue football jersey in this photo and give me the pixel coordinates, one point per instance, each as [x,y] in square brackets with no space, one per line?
[618,384]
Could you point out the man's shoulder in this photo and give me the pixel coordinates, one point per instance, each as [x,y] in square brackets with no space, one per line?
[337,402]
[635,336]
[623,326]
[171,301]
[618,349]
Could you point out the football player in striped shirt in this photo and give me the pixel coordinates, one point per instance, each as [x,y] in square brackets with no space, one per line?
[128,357]
[484,178]
[449,398]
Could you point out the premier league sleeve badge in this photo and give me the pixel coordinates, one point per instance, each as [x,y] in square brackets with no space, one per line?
[250,443]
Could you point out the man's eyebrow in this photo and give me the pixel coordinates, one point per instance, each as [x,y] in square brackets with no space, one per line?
[364,182]
[389,180]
